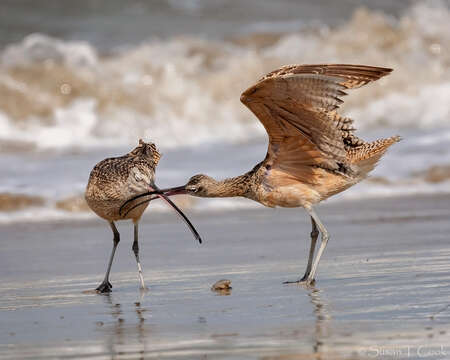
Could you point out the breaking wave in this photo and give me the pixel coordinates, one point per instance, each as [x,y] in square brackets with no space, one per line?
[185,91]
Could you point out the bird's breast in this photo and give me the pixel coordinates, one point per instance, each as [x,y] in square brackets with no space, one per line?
[296,195]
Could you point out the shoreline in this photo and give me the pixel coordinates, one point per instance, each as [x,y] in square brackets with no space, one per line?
[164,214]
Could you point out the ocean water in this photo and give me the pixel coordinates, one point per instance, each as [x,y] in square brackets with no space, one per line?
[76,89]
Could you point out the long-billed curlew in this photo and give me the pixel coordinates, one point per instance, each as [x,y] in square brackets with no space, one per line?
[313,152]
[114,180]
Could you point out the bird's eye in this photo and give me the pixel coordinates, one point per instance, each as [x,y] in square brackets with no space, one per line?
[200,188]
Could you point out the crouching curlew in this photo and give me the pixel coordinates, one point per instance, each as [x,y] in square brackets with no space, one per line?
[313,152]
[114,180]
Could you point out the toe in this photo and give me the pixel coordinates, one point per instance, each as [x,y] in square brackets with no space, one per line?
[104,287]
[304,282]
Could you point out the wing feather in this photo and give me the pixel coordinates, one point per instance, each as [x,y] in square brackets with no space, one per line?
[296,104]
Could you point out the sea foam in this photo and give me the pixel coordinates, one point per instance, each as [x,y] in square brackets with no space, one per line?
[185,90]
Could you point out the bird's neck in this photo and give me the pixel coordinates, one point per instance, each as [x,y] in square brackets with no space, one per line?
[231,187]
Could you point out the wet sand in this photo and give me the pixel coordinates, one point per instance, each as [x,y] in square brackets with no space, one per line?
[382,290]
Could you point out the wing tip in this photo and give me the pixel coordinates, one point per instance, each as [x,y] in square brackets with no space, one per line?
[355,75]
[245,96]
[350,75]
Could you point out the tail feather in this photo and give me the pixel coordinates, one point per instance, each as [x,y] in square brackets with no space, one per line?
[367,156]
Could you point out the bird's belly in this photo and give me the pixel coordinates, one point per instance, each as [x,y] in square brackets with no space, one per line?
[332,184]
[295,195]
[109,209]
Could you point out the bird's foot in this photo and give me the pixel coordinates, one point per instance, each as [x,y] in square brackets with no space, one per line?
[104,287]
[305,281]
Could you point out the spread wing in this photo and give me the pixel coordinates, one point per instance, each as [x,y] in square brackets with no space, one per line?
[296,105]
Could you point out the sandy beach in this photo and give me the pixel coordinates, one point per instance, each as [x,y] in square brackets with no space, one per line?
[382,289]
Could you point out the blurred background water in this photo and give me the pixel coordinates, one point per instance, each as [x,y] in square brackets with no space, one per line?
[80,81]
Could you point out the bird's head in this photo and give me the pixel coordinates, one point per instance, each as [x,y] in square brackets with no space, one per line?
[200,185]
[147,151]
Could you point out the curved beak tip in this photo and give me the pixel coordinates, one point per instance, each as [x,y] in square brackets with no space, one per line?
[163,194]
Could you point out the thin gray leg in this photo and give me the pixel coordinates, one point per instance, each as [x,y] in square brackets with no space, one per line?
[106,286]
[314,235]
[136,254]
[323,244]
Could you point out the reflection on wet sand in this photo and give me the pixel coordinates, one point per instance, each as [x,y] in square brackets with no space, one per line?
[125,336]
[122,338]
[322,321]
[322,329]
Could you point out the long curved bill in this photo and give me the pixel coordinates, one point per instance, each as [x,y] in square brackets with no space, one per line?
[163,194]
[158,192]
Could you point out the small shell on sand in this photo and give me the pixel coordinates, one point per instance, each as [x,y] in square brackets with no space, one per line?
[220,285]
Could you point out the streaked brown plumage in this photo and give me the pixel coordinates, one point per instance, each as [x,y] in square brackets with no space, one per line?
[118,178]
[114,180]
[313,152]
